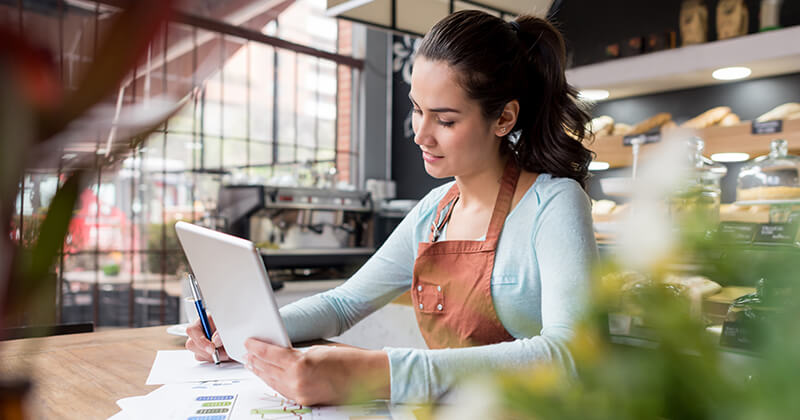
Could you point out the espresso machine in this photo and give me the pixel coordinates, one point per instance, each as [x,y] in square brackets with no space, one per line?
[300,231]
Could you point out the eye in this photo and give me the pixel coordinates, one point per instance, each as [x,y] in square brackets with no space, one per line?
[416,110]
[446,123]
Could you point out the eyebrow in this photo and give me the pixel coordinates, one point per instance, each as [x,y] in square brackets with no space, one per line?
[437,110]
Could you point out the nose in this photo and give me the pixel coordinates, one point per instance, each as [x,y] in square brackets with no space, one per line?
[422,131]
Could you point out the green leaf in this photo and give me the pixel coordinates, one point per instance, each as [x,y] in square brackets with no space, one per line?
[54,228]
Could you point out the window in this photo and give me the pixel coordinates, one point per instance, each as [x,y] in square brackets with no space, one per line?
[261,113]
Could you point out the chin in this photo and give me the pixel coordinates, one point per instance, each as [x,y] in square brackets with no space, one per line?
[438,173]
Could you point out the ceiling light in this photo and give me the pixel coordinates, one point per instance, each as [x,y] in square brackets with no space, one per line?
[731,73]
[730,157]
[593,94]
[598,166]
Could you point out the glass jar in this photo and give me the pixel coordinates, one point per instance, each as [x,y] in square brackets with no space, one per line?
[698,196]
[771,177]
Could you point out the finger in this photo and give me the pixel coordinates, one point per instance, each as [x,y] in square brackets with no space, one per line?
[199,352]
[269,374]
[216,339]
[211,323]
[270,353]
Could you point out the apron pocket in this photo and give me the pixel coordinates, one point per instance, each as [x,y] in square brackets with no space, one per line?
[430,298]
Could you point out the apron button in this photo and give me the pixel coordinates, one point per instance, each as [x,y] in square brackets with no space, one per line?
[420,306]
[419,288]
[439,307]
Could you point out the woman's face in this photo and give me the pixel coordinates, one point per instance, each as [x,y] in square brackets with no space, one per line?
[455,138]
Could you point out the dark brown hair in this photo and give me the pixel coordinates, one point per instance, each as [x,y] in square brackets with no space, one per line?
[499,61]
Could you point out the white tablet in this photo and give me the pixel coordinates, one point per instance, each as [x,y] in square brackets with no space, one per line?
[235,287]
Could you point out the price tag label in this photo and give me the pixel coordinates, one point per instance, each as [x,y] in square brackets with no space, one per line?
[648,138]
[737,232]
[767,127]
[777,233]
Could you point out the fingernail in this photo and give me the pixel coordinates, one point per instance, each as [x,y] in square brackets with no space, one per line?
[217,341]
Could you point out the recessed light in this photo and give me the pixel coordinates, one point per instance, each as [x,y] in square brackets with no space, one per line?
[731,73]
[593,94]
[730,157]
[598,166]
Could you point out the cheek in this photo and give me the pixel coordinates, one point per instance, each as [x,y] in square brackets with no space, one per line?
[414,122]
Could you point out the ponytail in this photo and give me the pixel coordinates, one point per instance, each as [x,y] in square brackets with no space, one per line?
[525,60]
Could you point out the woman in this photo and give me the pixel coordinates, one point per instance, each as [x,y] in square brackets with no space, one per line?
[497,261]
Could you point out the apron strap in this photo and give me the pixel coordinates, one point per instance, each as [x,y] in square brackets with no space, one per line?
[448,200]
[502,205]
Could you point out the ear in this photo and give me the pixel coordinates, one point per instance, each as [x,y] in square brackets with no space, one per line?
[505,123]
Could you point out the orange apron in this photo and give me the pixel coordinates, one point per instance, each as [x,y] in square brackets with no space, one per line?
[452,284]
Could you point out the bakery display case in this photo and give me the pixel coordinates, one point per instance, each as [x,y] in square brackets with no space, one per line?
[699,193]
[772,178]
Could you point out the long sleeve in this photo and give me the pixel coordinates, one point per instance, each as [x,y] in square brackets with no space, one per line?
[561,248]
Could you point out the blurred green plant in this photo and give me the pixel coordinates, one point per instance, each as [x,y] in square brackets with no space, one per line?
[36,127]
[111,269]
[685,374]
[165,255]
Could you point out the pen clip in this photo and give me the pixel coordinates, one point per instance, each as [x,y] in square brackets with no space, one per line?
[195,289]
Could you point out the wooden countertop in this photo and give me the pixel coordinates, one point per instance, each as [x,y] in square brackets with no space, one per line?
[81,376]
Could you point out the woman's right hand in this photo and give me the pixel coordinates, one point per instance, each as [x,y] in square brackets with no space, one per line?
[202,348]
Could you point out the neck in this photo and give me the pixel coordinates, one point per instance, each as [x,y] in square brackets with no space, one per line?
[480,188]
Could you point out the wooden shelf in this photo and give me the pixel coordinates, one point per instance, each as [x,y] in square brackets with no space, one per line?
[736,138]
[767,54]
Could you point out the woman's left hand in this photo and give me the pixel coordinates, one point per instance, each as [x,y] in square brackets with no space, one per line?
[321,375]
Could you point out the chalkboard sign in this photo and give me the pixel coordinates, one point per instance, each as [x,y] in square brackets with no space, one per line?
[648,138]
[740,334]
[767,127]
[737,232]
[777,233]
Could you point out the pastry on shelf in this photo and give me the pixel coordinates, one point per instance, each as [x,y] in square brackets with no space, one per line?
[601,126]
[621,129]
[786,111]
[745,214]
[651,123]
[729,120]
[768,193]
[708,118]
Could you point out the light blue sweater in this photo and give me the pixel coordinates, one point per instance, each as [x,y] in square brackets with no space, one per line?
[540,286]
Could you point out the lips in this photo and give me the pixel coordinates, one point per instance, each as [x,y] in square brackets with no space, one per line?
[429,157]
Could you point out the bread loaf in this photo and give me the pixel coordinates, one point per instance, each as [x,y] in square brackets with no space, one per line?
[653,122]
[708,118]
[768,193]
[729,120]
[780,112]
[669,125]
[602,125]
[621,129]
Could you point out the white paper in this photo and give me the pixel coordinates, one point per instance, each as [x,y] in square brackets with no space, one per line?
[179,366]
[122,415]
[245,399]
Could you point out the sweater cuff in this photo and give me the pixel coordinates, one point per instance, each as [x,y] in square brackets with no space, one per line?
[409,379]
